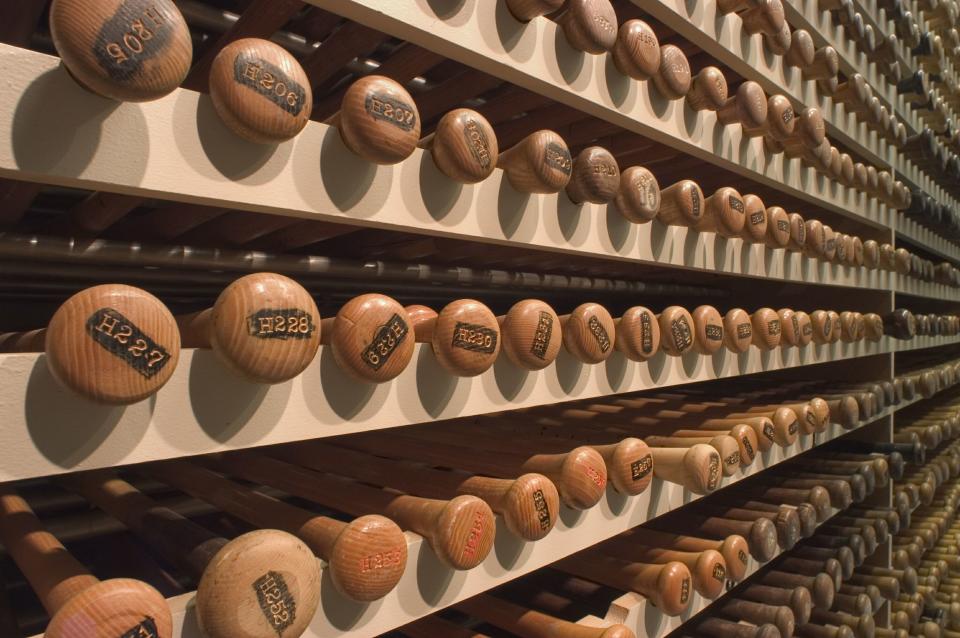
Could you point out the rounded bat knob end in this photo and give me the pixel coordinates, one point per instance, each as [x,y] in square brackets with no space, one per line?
[113,344]
[260,91]
[125,50]
[368,558]
[264,582]
[116,607]
[379,120]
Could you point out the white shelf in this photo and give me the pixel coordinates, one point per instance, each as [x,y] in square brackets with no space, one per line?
[926,289]
[203,408]
[535,55]
[427,586]
[176,148]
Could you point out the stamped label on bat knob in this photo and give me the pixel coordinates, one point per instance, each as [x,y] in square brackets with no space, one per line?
[541,337]
[783,226]
[276,601]
[477,142]
[543,512]
[385,342]
[119,336]
[147,628]
[269,81]
[719,573]
[280,323]
[476,533]
[746,445]
[136,32]
[389,109]
[646,336]
[641,468]
[713,477]
[682,338]
[380,560]
[773,326]
[714,333]
[559,158]
[599,333]
[685,590]
[476,338]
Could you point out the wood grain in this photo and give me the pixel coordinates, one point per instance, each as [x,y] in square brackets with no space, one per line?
[126,50]
[260,91]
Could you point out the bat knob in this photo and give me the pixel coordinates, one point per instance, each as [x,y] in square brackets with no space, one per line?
[126,50]
[527,489]
[708,329]
[676,330]
[638,198]
[113,344]
[673,589]
[735,552]
[737,330]
[582,478]
[539,163]
[617,631]
[703,469]
[673,79]
[762,540]
[595,177]
[766,328]
[466,338]
[709,574]
[531,334]
[590,25]
[589,333]
[278,568]
[371,338]
[266,327]
[802,605]
[260,91]
[631,466]
[379,120]
[368,558]
[116,607]
[464,146]
[637,334]
[755,219]
[468,528]
[526,10]
[636,53]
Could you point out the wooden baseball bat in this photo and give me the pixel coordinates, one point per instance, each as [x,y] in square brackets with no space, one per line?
[531,334]
[732,548]
[529,504]
[260,91]
[68,591]
[370,337]
[529,623]
[366,557]
[463,146]
[757,613]
[378,120]
[459,530]
[134,54]
[589,333]
[270,563]
[707,567]
[432,626]
[595,176]
[672,78]
[589,25]
[526,10]
[465,335]
[264,327]
[636,52]
[713,626]
[580,475]
[539,163]
[820,586]
[637,334]
[667,586]
[112,344]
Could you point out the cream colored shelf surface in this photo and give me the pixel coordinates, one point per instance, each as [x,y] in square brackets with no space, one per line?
[925,289]
[204,408]
[428,586]
[176,148]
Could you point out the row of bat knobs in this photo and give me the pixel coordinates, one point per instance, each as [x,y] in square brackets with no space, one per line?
[262,93]
[367,556]
[118,344]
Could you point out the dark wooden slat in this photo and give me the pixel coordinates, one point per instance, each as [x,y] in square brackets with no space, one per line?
[406,63]
[260,20]
[19,19]
[340,47]
[302,234]
[163,224]
[15,199]
[234,229]
[453,92]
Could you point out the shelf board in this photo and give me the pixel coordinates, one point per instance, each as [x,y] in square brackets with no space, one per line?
[427,586]
[204,408]
[177,149]
[536,56]
[926,290]
[924,238]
